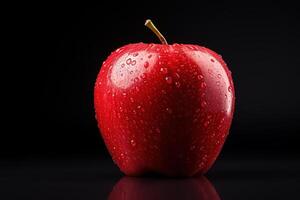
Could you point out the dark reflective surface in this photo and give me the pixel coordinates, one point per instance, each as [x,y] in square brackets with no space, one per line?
[94,178]
[156,188]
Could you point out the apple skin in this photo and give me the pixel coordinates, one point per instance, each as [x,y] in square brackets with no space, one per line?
[164,108]
[132,188]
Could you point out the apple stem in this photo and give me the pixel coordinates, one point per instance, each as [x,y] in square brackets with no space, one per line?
[153,28]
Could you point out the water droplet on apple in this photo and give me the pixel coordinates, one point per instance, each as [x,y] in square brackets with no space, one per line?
[132,142]
[139,107]
[150,56]
[143,75]
[164,70]
[123,65]
[219,75]
[146,64]
[136,79]
[192,147]
[124,93]
[203,104]
[203,85]
[133,62]
[201,165]
[218,83]
[210,71]
[157,130]
[177,84]
[169,110]
[169,79]
[131,72]
[135,54]
[229,89]
[212,60]
[131,99]
[200,77]
[225,96]
[128,61]
[206,123]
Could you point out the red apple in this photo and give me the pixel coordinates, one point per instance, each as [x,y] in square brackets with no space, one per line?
[132,188]
[164,108]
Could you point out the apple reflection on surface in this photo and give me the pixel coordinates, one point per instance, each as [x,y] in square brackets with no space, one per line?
[152,188]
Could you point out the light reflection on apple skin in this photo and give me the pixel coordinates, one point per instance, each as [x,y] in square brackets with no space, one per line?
[134,188]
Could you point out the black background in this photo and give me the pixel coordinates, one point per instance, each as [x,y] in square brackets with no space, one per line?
[54,52]
[57,50]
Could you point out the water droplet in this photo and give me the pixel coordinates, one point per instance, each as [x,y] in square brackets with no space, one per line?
[200,77]
[157,130]
[229,89]
[137,89]
[225,96]
[203,85]
[164,70]
[203,104]
[132,142]
[219,75]
[136,79]
[206,123]
[146,64]
[218,83]
[169,79]
[131,99]
[123,65]
[150,56]
[201,165]
[131,72]
[212,60]
[177,84]
[133,62]
[128,61]
[222,120]
[177,75]
[210,71]
[135,54]
[124,93]
[139,107]
[143,75]
[169,110]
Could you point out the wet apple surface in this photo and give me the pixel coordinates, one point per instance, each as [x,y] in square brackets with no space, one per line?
[164,108]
